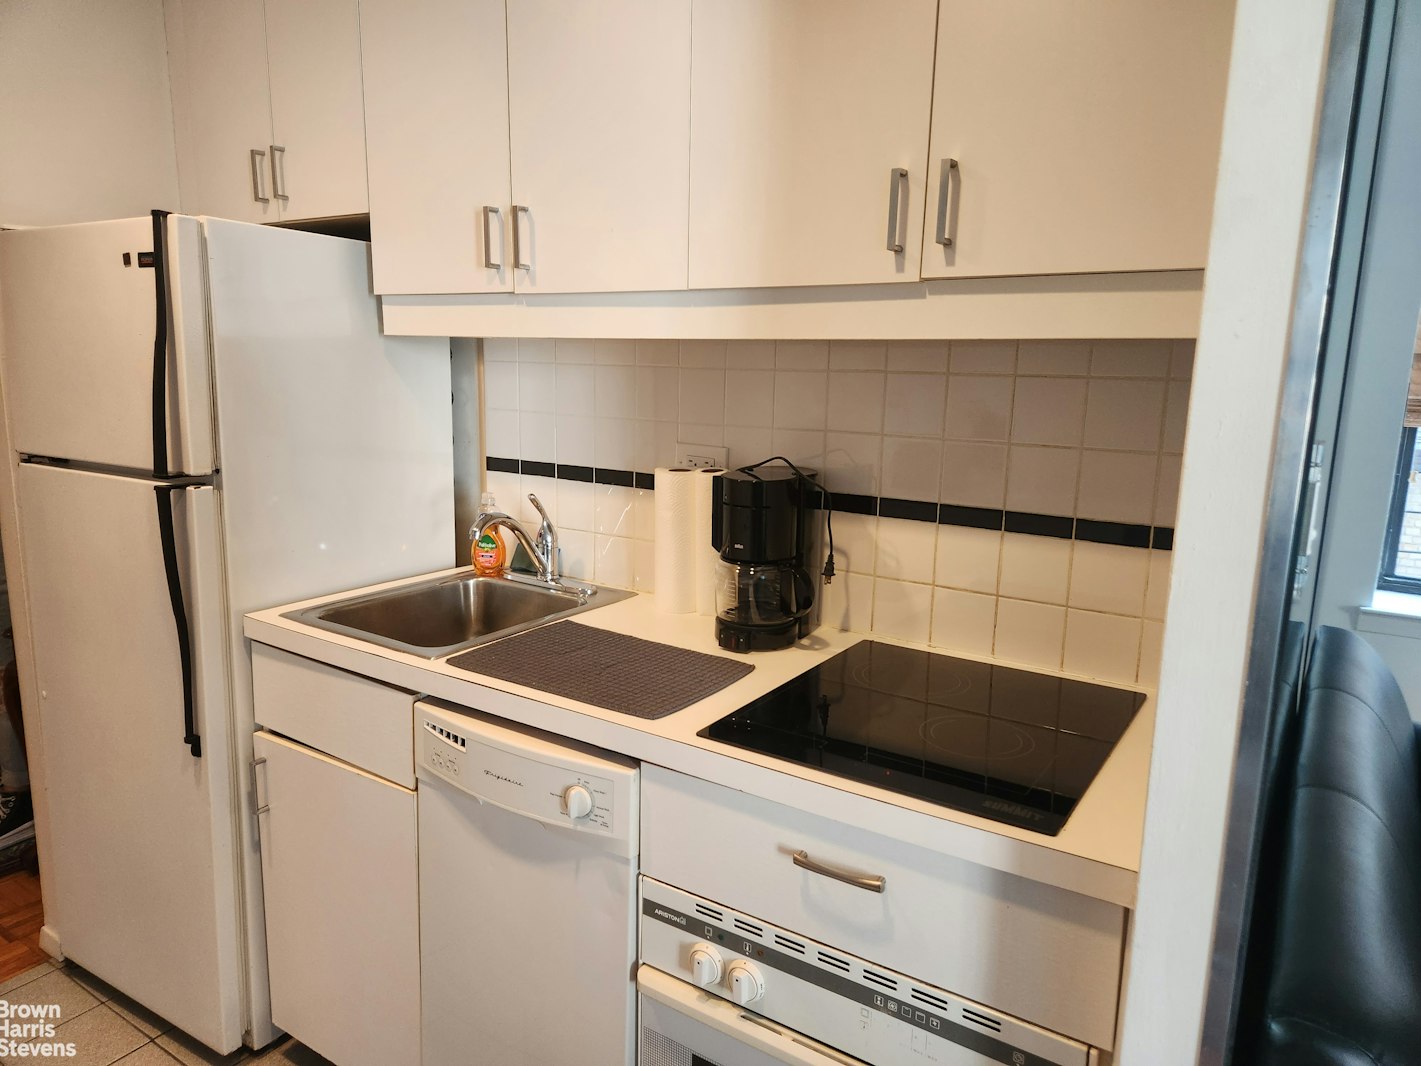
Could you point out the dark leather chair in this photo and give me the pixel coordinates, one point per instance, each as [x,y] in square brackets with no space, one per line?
[1343,979]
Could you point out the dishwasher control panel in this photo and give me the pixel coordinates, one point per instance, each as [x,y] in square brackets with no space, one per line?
[534,774]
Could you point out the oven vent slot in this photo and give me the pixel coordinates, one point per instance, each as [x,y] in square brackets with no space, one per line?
[710,912]
[749,927]
[880,980]
[931,1000]
[834,961]
[982,1020]
[786,942]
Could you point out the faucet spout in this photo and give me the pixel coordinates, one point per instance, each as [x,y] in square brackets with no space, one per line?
[543,549]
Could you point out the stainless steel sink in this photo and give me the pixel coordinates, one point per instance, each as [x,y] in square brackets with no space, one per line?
[444,615]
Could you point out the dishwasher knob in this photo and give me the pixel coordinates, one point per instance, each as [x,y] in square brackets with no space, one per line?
[576,802]
[705,965]
[745,983]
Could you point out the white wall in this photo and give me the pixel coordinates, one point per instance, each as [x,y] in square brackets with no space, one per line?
[86,123]
[1275,82]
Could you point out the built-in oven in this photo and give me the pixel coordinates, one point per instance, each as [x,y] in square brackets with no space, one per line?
[722,988]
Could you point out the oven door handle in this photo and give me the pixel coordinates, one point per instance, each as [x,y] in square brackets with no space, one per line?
[870,882]
[777,1042]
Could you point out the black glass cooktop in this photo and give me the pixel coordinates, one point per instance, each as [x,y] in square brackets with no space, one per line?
[1006,744]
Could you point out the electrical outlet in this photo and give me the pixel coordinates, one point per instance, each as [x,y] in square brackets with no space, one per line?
[699,455]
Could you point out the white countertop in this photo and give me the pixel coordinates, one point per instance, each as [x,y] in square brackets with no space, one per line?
[1097,853]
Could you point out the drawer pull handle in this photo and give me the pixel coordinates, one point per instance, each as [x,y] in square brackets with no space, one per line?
[872,884]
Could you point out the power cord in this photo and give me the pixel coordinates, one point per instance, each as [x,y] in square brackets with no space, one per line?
[828,498]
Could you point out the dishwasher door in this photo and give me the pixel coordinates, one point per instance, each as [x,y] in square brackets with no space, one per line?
[527,905]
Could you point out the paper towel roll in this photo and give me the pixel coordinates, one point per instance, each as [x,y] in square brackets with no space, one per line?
[707,557]
[676,540]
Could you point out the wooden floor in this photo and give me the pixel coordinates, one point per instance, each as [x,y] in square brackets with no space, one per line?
[20,919]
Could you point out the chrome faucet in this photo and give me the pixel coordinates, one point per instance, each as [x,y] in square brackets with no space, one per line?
[543,549]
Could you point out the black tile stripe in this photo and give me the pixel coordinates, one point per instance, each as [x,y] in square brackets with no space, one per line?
[574,473]
[604,476]
[1040,525]
[951,514]
[913,510]
[1125,534]
[1122,533]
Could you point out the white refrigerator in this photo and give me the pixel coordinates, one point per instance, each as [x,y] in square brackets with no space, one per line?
[203,419]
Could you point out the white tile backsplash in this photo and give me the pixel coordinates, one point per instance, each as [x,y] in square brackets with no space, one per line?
[913,404]
[974,475]
[1048,411]
[1066,429]
[963,621]
[856,401]
[968,559]
[906,550]
[1030,633]
[1035,568]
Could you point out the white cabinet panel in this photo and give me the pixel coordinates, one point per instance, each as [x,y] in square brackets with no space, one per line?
[436,124]
[800,112]
[1086,133]
[222,107]
[317,117]
[339,869]
[599,128]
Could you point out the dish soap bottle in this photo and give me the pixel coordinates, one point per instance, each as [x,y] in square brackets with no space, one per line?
[487,553]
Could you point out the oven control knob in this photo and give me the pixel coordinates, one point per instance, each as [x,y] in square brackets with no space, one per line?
[576,801]
[705,965]
[745,983]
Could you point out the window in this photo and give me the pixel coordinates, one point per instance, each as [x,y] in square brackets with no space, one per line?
[1401,557]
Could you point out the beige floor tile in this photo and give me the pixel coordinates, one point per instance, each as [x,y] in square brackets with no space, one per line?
[22,979]
[192,1053]
[290,1053]
[147,1055]
[100,990]
[138,1016]
[59,988]
[100,1037]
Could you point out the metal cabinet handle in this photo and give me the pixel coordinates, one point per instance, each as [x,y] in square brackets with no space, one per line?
[518,264]
[489,213]
[951,177]
[897,178]
[865,881]
[265,806]
[278,172]
[257,155]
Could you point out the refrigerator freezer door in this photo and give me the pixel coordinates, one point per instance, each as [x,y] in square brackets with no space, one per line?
[78,322]
[144,887]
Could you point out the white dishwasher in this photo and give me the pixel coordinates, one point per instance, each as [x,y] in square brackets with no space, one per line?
[527,895]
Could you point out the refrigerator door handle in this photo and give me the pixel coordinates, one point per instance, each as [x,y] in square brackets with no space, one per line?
[161,343]
[168,537]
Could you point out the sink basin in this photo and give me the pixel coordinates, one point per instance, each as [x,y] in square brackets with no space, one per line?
[444,615]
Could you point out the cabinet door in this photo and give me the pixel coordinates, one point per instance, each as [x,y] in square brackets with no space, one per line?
[599,126]
[802,112]
[317,115]
[222,107]
[339,851]
[436,126]
[1086,134]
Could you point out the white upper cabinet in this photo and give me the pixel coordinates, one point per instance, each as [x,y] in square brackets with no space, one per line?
[436,123]
[1085,135]
[809,127]
[221,107]
[267,105]
[599,125]
[317,116]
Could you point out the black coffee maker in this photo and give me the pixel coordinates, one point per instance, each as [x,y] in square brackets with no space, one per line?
[762,524]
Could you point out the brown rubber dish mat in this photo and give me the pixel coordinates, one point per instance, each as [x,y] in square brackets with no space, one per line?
[620,673]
